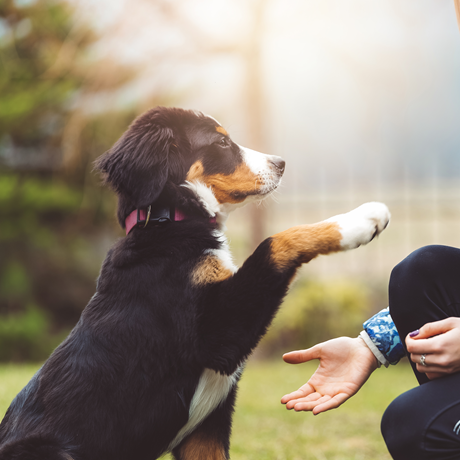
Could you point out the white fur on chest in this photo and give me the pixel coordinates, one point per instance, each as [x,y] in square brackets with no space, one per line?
[223,254]
[212,389]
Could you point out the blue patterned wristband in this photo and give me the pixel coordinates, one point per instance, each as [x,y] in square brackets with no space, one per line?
[381,330]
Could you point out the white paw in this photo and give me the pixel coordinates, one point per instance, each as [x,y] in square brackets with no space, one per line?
[361,225]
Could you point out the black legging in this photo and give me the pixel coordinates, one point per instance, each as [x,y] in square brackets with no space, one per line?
[424,423]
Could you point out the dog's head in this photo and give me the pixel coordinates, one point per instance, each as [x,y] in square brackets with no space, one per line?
[167,147]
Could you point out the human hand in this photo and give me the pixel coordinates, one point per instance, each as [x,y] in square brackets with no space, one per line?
[345,365]
[440,342]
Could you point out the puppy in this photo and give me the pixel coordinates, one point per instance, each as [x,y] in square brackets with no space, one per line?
[154,361]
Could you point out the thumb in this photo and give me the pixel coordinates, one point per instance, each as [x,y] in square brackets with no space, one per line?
[302,356]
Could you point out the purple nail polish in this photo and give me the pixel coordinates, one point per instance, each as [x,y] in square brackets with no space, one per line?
[414,333]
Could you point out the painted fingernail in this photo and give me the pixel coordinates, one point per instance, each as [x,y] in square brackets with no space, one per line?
[414,333]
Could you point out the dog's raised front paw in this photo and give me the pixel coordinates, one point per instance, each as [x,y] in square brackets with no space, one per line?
[361,225]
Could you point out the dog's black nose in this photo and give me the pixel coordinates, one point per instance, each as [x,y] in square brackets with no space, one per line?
[279,163]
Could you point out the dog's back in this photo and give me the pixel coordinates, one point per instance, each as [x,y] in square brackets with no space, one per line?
[34,448]
[125,377]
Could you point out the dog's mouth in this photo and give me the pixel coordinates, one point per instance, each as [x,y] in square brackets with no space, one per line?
[270,181]
[267,169]
[270,188]
[264,186]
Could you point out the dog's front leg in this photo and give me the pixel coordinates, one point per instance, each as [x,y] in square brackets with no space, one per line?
[298,245]
[239,309]
[200,446]
[211,439]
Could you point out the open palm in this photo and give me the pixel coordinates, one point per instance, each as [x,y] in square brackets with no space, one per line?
[345,365]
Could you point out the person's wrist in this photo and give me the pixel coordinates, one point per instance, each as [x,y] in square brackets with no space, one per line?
[374,363]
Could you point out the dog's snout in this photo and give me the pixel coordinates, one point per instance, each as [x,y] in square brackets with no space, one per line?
[278,163]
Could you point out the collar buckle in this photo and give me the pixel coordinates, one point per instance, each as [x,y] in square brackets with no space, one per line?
[159,214]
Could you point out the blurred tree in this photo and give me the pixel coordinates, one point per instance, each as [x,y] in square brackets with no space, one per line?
[47,74]
[457,11]
[255,106]
[54,216]
[32,104]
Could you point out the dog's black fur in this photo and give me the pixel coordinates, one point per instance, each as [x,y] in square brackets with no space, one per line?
[167,311]
[120,386]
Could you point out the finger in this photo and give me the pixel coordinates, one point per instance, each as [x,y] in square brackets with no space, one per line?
[433,368]
[302,392]
[443,360]
[310,398]
[310,405]
[431,365]
[427,369]
[434,328]
[430,361]
[435,375]
[415,358]
[333,403]
[424,346]
[302,356]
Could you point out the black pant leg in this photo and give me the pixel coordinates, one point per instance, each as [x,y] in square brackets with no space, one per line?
[424,423]
[425,287]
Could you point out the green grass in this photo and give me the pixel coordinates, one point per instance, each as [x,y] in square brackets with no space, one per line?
[264,430]
[13,377]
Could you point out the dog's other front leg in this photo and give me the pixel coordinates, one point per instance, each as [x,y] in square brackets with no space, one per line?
[211,439]
[200,446]
[239,309]
[298,245]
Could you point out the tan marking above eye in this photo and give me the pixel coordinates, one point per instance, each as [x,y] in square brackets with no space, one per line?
[298,245]
[210,270]
[221,130]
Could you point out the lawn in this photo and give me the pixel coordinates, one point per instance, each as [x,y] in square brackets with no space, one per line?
[264,429]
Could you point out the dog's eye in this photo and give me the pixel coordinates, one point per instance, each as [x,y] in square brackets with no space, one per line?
[223,142]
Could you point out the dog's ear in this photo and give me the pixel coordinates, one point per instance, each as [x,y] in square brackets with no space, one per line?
[138,165]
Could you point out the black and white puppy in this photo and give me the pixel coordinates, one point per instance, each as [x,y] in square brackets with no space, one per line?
[153,364]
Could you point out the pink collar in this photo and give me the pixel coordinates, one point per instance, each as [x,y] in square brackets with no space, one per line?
[131,220]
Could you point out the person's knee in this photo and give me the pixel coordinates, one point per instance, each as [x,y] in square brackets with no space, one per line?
[422,423]
[421,267]
[401,431]
[420,264]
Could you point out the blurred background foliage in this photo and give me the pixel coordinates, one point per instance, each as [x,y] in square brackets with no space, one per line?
[315,311]
[53,213]
[361,99]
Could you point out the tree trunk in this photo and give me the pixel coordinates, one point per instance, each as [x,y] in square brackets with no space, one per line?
[255,108]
